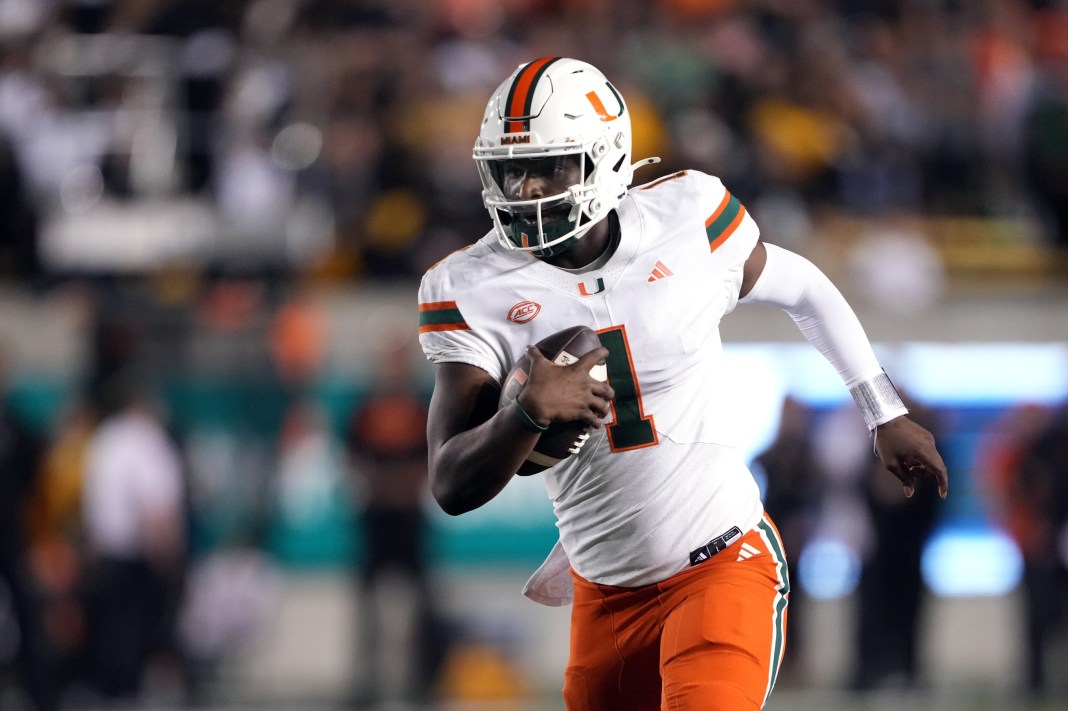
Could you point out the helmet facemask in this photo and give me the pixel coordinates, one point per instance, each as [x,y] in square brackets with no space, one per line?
[544,226]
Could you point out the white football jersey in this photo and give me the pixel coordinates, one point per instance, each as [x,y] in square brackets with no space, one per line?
[663,476]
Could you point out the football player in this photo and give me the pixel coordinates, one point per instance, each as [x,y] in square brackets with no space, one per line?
[676,575]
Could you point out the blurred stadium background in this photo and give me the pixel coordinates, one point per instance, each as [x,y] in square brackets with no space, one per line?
[235,199]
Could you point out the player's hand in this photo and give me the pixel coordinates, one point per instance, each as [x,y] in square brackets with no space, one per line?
[566,393]
[908,451]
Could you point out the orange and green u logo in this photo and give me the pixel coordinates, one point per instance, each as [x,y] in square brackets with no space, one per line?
[598,105]
[586,292]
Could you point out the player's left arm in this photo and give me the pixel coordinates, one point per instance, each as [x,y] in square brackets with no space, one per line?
[777,277]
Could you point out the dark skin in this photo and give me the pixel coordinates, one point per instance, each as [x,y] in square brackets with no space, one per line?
[475,449]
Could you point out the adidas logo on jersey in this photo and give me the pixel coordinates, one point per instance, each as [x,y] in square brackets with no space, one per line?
[747,551]
[660,271]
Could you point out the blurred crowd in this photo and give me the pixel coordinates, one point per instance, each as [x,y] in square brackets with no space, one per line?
[140,551]
[334,136]
[821,481]
[1023,462]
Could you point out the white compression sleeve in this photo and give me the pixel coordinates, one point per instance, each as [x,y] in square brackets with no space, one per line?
[797,286]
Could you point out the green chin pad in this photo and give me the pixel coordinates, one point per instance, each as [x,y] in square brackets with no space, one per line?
[552,230]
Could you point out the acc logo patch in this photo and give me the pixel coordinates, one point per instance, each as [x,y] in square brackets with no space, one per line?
[524,311]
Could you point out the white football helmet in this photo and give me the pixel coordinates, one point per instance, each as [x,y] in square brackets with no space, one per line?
[550,107]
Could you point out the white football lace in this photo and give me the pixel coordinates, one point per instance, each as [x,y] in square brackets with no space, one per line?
[577,444]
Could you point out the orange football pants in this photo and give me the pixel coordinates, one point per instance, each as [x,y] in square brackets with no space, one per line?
[709,638]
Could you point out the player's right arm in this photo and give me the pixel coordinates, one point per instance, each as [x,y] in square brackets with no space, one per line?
[475,449]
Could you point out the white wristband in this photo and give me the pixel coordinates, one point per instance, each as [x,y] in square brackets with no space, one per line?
[878,400]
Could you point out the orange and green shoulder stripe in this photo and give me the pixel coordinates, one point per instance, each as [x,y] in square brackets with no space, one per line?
[724,220]
[441,316]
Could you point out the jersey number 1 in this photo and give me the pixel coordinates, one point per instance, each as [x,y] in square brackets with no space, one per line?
[632,429]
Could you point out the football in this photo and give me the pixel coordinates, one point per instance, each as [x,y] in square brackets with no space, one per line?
[562,439]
